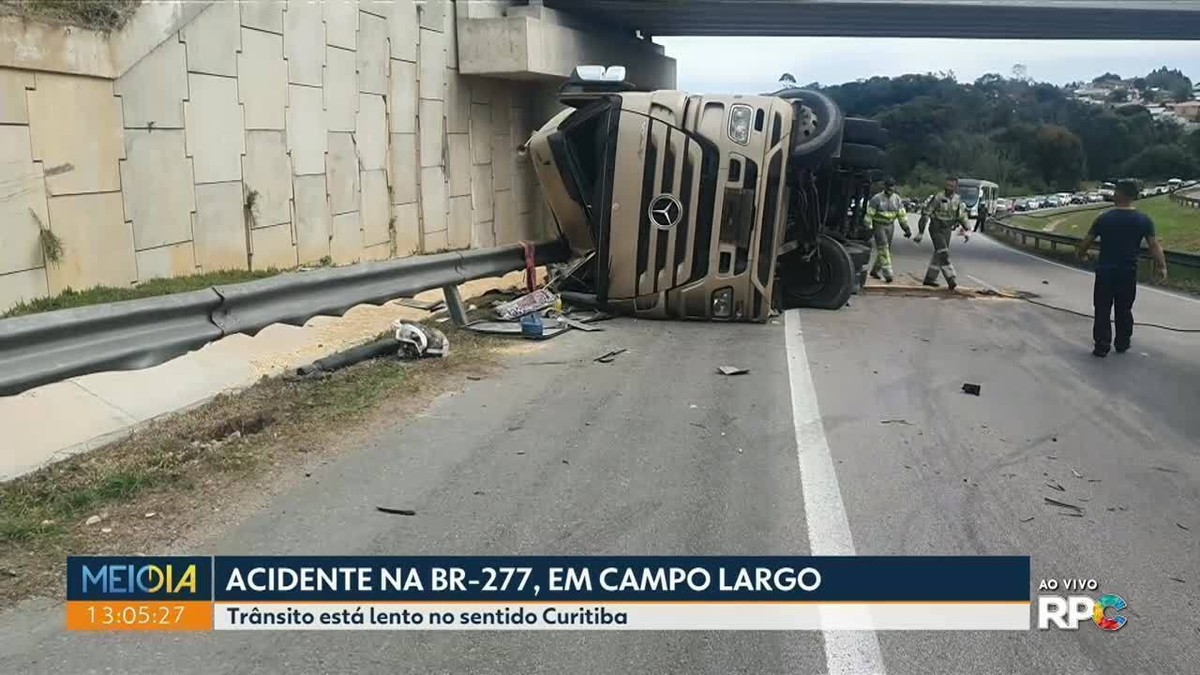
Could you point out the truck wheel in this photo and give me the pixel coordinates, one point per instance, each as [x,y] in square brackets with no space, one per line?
[816,142]
[830,288]
[858,156]
[864,132]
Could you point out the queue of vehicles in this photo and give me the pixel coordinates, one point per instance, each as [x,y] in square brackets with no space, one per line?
[1099,196]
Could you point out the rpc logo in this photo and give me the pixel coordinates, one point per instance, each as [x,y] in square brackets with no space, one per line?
[1066,612]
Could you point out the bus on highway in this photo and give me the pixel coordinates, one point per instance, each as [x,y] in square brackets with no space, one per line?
[973,191]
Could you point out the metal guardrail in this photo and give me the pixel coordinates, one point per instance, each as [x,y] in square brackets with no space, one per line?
[1190,198]
[1174,258]
[53,346]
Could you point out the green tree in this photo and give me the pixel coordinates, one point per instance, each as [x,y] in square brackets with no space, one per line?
[1059,156]
[1117,96]
[1107,77]
[1160,162]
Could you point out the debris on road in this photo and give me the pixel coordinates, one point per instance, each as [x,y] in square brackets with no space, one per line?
[731,370]
[1026,520]
[1165,469]
[395,512]
[1065,505]
[1077,474]
[1177,579]
[428,306]
[349,357]
[608,357]
[579,325]
[971,388]
[896,421]
[1056,486]
[1051,456]
[92,520]
[513,329]
[474,378]
[106,530]
[417,341]
[1095,480]
[1183,527]
[526,304]
[150,514]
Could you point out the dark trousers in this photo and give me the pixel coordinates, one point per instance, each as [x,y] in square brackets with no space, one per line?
[1114,293]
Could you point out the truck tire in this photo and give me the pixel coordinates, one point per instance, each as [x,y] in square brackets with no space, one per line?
[858,156]
[811,147]
[864,132]
[833,286]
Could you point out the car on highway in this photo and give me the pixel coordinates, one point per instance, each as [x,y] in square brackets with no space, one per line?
[1051,202]
[1094,198]
[1107,190]
[1079,198]
[1003,205]
[717,207]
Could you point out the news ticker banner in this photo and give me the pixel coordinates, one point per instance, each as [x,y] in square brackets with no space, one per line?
[548,593]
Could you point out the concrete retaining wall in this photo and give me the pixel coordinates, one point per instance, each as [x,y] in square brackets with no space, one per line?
[253,134]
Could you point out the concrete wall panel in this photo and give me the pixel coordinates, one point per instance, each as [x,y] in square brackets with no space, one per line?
[341,23]
[433,14]
[403,98]
[341,89]
[303,33]
[376,209]
[432,64]
[433,200]
[153,91]
[481,133]
[436,241]
[263,14]
[272,247]
[215,136]
[77,120]
[458,104]
[342,174]
[158,188]
[22,287]
[219,227]
[371,133]
[482,195]
[306,132]
[267,170]
[458,169]
[175,260]
[458,225]
[373,55]
[13,84]
[408,229]
[383,8]
[346,245]
[404,31]
[213,39]
[405,168]
[262,80]
[311,209]
[22,195]
[97,242]
[378,252]
[505,220]
[432,134]
[502,162]
[450,29]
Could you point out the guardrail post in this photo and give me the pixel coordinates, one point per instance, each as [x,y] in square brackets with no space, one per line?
[454,305]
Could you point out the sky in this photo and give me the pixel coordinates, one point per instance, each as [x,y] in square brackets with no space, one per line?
[748,65]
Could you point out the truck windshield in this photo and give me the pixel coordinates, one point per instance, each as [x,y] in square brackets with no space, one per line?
[582,143]
[969,194]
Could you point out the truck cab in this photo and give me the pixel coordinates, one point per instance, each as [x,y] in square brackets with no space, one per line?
[717,207]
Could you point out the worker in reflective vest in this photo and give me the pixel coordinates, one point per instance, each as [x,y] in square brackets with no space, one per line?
[943,213]
[884,210]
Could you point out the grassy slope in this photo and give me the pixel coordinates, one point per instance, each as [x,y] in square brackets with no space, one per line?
[101,294]
[1178,226]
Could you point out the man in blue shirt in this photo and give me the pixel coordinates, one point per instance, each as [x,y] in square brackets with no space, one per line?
[1120,231]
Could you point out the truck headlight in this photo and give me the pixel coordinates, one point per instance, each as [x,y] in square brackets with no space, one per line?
[722,303]
[740,118]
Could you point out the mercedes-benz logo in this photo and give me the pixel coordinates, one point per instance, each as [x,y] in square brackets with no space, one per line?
[665,211]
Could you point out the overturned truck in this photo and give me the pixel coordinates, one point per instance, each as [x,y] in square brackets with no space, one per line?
[717,207]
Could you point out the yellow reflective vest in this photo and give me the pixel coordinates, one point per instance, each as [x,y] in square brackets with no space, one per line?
[882,209]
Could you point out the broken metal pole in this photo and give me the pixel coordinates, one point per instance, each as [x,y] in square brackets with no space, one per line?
[454,305]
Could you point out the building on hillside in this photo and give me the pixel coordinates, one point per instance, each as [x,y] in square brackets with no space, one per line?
[1188,111]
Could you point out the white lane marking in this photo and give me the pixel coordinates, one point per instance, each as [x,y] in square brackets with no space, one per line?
[1076,269]
[846,652]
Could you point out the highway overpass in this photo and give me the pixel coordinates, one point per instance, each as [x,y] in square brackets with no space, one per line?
[1014,19]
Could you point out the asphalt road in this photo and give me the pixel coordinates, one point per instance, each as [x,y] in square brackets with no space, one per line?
[656,453]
